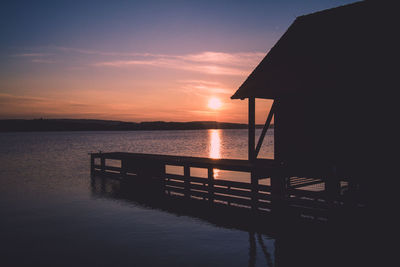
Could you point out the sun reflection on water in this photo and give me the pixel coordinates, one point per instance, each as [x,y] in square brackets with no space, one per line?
[215,144]
[214,136]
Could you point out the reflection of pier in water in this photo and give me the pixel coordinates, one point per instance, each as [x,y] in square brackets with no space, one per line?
[301,244]
[110,186]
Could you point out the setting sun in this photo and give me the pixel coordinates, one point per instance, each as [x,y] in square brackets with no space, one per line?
[214,103]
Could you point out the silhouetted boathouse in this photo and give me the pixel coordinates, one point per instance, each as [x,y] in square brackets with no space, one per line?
[329,87]
[330,77]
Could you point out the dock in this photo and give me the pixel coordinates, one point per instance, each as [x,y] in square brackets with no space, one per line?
[270,190]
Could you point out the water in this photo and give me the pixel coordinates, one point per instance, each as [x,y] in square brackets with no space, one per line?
[49,216]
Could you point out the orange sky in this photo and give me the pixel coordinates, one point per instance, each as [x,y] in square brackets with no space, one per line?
[137,60]
[156,87]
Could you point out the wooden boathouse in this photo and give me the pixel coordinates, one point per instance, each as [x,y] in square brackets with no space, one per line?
[323,78]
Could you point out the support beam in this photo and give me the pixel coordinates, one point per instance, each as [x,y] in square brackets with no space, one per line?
[277,135]
[252,128]
[265,128]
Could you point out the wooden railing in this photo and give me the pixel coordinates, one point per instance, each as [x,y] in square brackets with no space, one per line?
[300,196]
[231,193]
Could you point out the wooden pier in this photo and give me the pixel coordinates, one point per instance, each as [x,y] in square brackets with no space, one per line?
[282,193]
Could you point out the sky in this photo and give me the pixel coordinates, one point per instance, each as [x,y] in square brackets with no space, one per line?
[137,60]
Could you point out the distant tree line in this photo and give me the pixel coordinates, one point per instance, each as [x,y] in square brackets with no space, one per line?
[20,125]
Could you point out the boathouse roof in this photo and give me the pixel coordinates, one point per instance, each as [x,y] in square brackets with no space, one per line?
[340,50]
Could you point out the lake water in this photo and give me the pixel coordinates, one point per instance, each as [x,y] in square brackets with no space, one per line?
[50,216]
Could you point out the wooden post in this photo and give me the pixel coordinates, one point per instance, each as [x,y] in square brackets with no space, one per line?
[211,185]
[351,193]
[162,177]
[186,173]
[103,185]
[277,194]
[252,128]
[91,164]
[332,188]
[254,190]
[103,164]
[123,167]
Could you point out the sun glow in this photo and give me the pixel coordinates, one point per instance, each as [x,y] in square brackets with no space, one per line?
[214,103]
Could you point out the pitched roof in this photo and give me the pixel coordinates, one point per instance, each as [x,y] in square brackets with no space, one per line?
[331,50]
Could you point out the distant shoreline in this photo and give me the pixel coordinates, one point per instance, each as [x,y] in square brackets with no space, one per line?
[57,125]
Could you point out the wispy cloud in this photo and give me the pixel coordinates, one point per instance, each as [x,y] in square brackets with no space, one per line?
[235,59]
[36,57]
[40,60]
[217,63]
[14,106]
[93,52]
[17,103]
[105,53]
[204,88]
[208,62]
[32,55]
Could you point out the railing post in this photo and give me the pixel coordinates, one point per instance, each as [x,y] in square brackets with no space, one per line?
[211,184]
[332,188]
[277,194]
[123,167]
[186,173]
[91,164]
[162,177]
[103,184]
[103,164]
[254,190]
[351,199]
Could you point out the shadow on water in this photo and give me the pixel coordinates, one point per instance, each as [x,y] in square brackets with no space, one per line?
[295,243]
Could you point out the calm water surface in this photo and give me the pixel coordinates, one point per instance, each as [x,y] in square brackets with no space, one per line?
[49,216]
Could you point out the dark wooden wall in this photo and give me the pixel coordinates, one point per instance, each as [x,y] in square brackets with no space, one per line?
[327,132]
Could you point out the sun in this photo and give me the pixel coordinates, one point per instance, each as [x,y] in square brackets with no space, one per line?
[214,103]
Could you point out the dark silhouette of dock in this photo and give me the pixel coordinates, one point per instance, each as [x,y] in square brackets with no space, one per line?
[298,198]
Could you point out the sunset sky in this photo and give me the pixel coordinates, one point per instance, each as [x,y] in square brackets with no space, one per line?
[137,60]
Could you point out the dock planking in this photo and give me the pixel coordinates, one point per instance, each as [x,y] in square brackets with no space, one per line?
[264,165]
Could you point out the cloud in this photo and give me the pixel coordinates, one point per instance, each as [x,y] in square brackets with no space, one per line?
[220,58]
[39,60]
[208,57]
[15,104]
[36,57]
[32,55]
[207,62]
[204,88]
[105,53]
[8,98]
[216,63]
